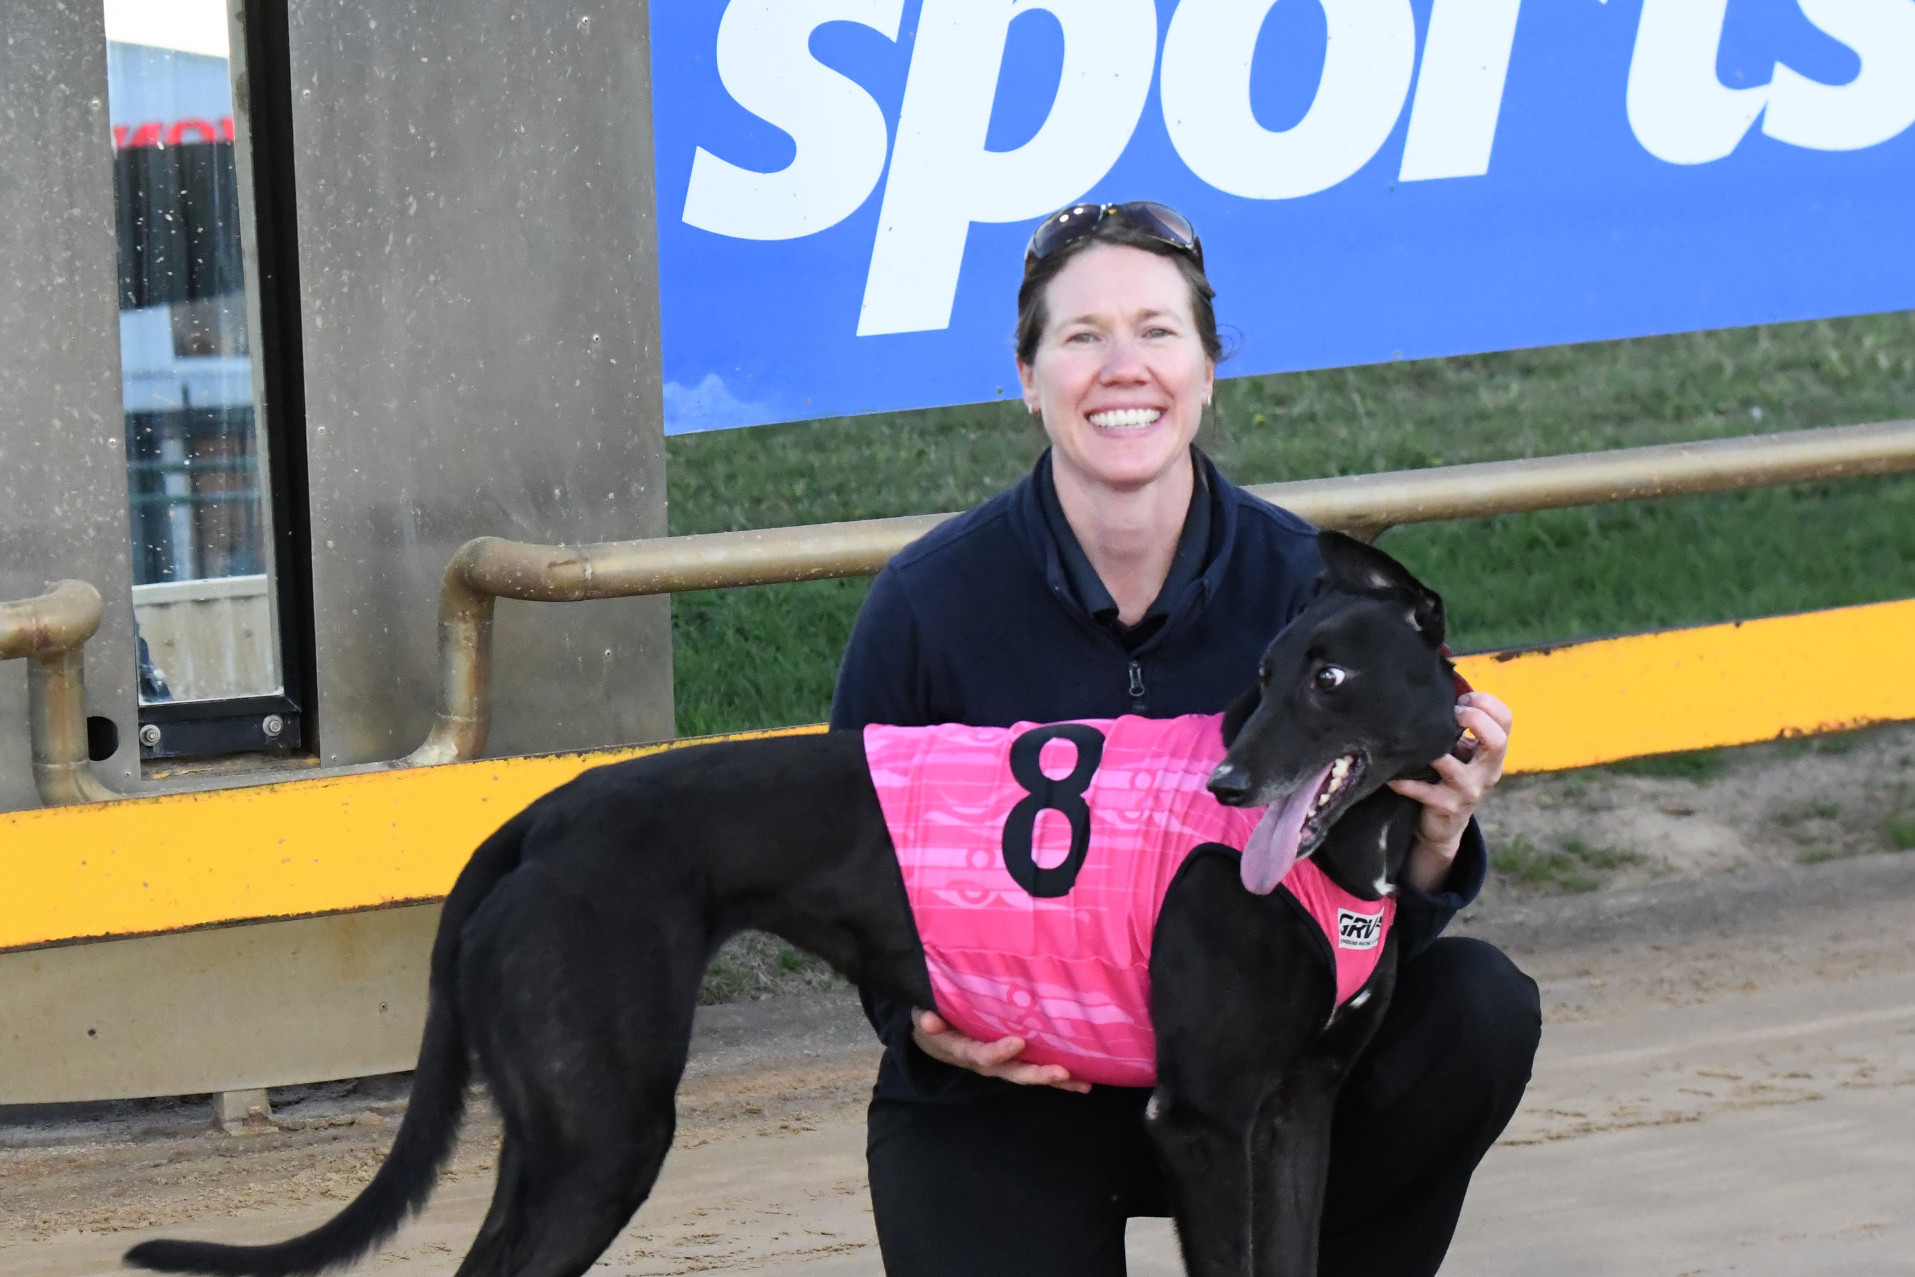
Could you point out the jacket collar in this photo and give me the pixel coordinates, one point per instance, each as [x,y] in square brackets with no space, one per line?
[1033,531]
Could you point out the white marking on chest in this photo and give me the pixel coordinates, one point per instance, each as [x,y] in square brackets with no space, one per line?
[1382,884]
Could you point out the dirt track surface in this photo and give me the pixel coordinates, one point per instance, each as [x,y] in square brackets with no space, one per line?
[1727,1084]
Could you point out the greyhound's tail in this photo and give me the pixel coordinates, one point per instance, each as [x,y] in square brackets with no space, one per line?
[425,1138]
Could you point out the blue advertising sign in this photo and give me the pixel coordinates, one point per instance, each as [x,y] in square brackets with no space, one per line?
[845,187]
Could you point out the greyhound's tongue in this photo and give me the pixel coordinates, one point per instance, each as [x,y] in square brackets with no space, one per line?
[1272,847]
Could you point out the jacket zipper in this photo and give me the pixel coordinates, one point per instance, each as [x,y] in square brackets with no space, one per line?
[1137,686]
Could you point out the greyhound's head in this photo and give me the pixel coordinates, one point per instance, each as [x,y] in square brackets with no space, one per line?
[1354,692]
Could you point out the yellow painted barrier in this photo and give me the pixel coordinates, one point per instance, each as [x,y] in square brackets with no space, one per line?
[341,843]
[1588,703]
[271,851]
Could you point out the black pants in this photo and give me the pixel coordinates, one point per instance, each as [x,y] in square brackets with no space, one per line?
[1041,1181]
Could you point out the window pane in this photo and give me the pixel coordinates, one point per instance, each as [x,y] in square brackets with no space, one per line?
[202,598]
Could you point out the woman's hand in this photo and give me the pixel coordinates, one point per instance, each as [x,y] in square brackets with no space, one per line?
[1449,804]
[998,1059]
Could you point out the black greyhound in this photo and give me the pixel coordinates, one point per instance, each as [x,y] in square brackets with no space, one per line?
[571,948]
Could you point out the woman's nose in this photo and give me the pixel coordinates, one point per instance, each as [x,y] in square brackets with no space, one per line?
[1124,363]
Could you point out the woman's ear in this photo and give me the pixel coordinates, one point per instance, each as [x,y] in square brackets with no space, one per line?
[1024,381]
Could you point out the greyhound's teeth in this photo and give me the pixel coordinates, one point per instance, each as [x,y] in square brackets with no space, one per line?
[1339,773]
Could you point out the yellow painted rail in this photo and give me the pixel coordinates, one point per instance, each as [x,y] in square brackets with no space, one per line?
[379,838]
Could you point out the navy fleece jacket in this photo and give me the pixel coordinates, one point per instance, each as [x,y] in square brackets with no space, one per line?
[977,623]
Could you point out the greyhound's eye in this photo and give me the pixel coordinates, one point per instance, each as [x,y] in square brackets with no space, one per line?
[1263,671]
[1330,677]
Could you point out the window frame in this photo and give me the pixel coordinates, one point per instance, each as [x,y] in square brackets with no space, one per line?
[263,152]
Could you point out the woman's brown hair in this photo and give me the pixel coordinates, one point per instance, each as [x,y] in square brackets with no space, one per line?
[1033,312]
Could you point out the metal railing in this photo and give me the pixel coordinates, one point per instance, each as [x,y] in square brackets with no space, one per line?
[51,631]
[488,568]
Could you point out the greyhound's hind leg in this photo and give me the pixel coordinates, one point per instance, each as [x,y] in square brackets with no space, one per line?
[583,1147]
[581,1029]
[486,1254]
[554,1216]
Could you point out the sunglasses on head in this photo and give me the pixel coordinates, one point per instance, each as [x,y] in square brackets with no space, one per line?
[1068,225]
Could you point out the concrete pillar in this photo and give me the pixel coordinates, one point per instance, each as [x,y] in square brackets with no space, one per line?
[243,1112]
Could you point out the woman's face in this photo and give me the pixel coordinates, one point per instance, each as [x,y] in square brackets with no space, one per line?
[1120,375]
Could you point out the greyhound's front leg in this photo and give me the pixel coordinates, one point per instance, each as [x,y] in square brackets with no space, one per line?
[1239,990]
[1290,1156]
[1208,1160]
[1247,1188]
[1290,1166]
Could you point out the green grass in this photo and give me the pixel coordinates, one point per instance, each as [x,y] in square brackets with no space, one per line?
[1574,865]
[1701,766]
[1818,811]
[1898,829]
[768,655]
[755,965]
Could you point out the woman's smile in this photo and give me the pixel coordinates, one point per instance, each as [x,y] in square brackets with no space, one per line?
[1125,418]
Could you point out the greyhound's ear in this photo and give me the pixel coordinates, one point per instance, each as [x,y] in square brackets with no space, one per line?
[1357,566]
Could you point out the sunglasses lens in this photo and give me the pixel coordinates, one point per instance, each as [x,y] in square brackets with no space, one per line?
[1166,223]
[1062,227]
[1162,221]
[1068,224]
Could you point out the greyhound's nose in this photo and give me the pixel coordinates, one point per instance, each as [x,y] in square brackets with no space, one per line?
[1230,783]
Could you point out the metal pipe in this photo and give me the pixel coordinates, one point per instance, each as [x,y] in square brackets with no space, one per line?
[486,568]
[51,631]
[1366,505]
[1594,478]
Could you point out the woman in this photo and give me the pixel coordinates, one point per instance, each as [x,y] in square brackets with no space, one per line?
[1125,575]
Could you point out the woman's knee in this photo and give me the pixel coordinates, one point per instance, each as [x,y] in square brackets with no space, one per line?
[1464,1021]
[1489,1009]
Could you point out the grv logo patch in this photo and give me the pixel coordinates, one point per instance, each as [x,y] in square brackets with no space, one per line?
[1358,930]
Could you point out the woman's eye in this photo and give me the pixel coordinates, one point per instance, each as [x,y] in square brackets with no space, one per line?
[1331,677]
